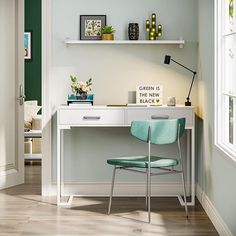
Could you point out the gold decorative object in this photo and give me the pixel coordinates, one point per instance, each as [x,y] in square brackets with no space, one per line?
[152,30]
[107,37]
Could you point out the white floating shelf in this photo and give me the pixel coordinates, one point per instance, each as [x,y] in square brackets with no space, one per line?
[179,42]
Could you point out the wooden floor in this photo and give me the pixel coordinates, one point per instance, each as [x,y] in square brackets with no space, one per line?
[24,212]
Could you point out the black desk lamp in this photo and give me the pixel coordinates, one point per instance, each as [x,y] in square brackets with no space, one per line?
[167,61]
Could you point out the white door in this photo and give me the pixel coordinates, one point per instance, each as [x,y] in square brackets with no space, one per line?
[11,78]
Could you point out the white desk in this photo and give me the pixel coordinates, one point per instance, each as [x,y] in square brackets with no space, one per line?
[103,116]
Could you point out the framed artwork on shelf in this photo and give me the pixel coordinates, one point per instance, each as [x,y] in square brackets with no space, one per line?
[28,45]
[149,95]
[91,26]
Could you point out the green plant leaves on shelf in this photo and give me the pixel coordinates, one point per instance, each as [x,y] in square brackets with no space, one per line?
[108,29]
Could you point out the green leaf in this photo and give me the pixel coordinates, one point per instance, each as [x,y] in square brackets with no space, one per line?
[108,29]
[73,78]
[89,82]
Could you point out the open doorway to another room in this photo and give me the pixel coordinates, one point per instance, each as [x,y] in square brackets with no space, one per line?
[33,100]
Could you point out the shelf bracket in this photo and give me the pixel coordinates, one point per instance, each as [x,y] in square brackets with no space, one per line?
[181,45]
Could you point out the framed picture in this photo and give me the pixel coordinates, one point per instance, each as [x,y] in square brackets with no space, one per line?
[149,95]
[28,45]
[91,26]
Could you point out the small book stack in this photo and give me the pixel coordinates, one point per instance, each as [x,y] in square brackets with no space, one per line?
[73,101]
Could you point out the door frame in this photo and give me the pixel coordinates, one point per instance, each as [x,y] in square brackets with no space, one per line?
[20,75]
[46,99]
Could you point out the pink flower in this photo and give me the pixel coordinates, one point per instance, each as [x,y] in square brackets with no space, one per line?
[80,86]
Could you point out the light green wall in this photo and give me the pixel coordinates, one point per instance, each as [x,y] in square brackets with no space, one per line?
[217,172]
[117,70]
[87,150]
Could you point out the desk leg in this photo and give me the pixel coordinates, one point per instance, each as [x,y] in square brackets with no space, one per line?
[62,162]
[188,162]
[190,145]
[193,166]
[58,166]
[60,170]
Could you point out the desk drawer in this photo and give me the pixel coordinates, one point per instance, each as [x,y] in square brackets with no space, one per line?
[161,113]
[83,117]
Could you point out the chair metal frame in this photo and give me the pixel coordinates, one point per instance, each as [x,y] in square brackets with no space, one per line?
[149,174]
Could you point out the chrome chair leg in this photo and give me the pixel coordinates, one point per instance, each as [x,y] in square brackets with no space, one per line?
[146,190]
[182,174]
[149,194]
[112,188]
[184,191]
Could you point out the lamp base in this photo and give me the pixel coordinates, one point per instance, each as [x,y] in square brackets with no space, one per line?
[188,104]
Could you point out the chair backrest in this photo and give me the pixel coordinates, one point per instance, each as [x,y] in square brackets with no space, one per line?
[162,131]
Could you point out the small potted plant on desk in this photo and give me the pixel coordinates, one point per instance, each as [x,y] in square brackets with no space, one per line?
[108,32]
[80,88]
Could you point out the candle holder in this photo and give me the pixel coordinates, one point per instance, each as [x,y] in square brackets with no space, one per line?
[154,32]
[133,31]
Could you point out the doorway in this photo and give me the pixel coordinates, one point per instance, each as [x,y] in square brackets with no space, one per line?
[33,100]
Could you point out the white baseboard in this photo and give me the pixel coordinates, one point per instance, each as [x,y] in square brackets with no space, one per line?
[213,214]
[121,189]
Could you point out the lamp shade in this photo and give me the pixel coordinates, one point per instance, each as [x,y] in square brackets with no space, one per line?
[167,59]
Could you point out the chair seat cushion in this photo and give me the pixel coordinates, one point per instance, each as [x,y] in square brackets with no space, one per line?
[142,162]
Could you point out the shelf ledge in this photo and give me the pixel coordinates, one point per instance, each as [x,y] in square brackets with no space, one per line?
[179,42]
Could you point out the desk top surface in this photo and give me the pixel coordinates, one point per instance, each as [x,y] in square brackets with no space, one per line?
[110,107]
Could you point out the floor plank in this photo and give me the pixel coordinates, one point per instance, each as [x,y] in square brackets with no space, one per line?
[23,211]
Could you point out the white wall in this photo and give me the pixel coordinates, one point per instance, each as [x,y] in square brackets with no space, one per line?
[116,70]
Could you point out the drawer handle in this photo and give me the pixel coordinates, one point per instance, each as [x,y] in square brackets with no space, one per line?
[92,117]
[155,117]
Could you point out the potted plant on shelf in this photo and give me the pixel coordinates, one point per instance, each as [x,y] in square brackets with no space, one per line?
[80,88]
[108,32]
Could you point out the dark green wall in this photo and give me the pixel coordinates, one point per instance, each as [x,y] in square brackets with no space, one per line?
[33,68]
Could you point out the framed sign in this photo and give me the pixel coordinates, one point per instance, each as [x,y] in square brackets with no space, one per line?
[91,26]
[149,95]
[28,45]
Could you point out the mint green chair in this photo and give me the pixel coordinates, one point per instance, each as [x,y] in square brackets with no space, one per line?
[153,132]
